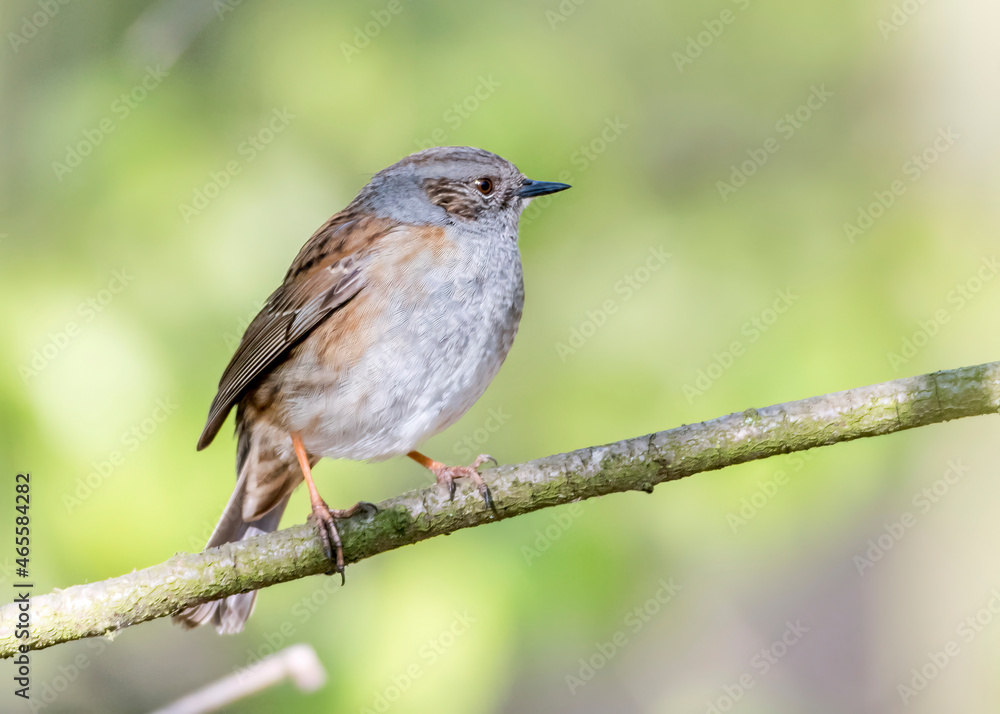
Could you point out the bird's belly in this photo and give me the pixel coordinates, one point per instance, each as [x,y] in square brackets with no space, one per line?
[430,362]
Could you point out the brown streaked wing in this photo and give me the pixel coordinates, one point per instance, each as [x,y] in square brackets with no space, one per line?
[331,279]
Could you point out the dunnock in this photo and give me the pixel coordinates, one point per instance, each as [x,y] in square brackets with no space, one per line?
[391,322]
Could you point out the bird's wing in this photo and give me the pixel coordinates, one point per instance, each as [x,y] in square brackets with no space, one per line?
[326,274]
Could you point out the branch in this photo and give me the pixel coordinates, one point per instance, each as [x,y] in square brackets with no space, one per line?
[632,465]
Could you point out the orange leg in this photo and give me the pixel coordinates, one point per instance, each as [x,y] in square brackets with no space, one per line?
[324,516]
[446,475]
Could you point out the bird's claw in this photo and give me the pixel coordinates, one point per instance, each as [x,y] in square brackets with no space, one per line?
[329,536]
[368,510]
[446,476]
[483,459]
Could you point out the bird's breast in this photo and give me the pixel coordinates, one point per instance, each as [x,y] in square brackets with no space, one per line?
[414,350]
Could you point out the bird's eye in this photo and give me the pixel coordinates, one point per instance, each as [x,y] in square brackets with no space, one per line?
[484,185]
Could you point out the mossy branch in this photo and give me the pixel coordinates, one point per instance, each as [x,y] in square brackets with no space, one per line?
[632,465]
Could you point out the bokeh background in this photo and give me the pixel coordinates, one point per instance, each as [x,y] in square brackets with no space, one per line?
[162,163]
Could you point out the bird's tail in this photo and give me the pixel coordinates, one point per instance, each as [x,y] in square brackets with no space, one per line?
[231,613]
[267,473]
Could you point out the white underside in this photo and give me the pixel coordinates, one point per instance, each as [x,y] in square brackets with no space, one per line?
[433,358]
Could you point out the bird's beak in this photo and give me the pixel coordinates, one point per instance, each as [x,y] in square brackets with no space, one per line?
[532,189]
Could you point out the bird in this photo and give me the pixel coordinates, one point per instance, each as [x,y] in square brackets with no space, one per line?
[389,325]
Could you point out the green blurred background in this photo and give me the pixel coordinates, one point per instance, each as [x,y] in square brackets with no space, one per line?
[140,233]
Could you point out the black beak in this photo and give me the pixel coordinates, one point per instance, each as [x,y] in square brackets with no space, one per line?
[531,189]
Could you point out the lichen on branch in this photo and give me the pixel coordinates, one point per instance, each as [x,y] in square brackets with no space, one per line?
[636,464]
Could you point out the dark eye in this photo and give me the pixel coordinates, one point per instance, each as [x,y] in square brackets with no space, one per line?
[485,185]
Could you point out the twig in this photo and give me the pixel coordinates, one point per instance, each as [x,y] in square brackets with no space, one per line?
[298,663]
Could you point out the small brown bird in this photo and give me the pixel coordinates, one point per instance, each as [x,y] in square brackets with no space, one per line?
[390,324]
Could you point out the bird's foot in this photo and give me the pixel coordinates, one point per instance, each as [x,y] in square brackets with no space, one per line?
[325,519]
[446,476]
